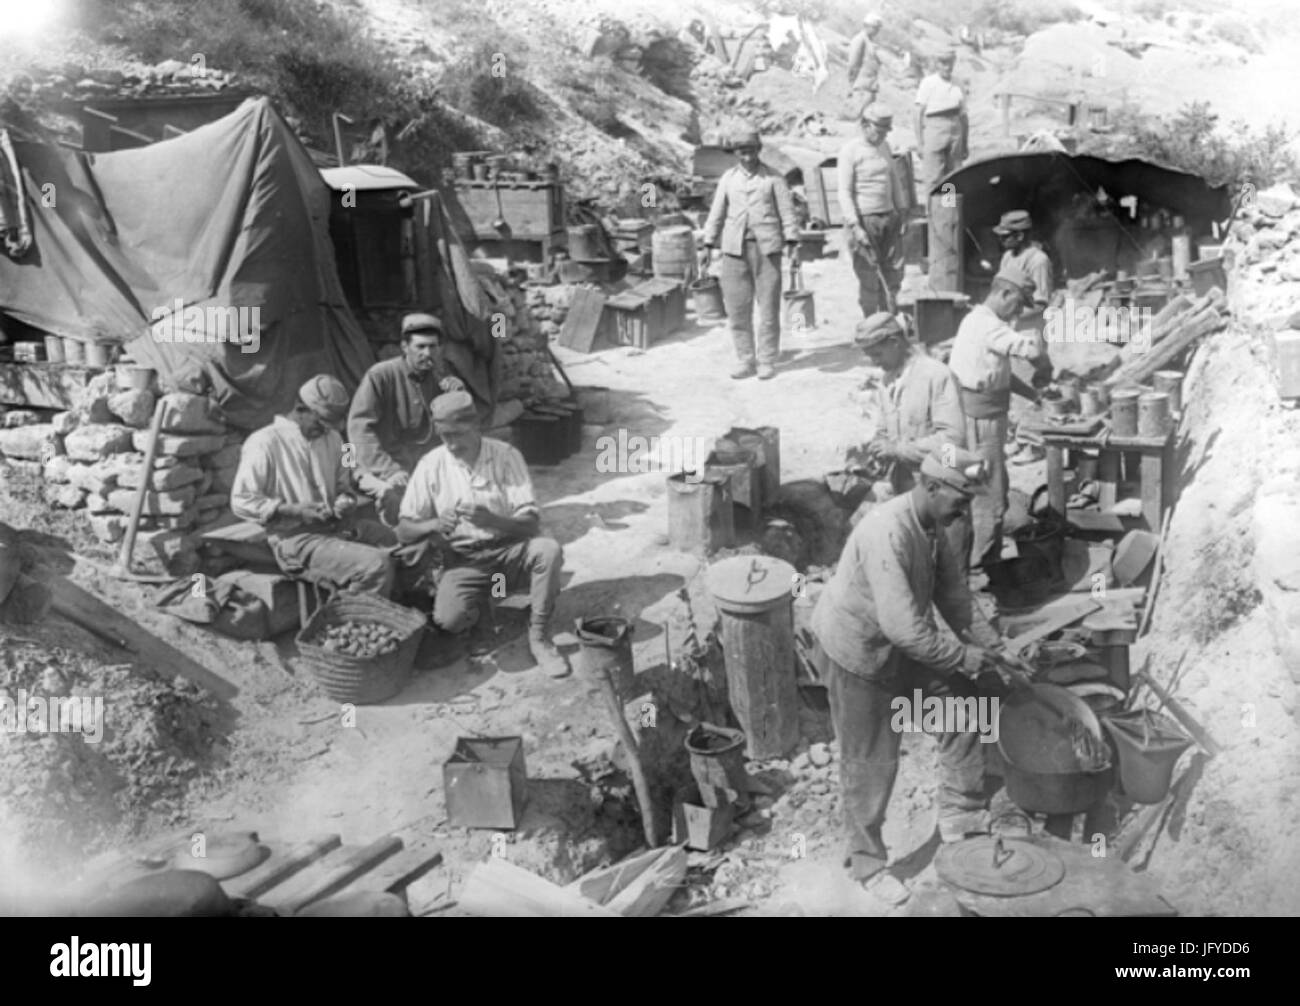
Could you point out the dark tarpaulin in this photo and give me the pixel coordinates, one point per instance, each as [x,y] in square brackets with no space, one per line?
[231,215]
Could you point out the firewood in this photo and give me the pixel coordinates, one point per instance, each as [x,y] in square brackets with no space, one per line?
[1142,368]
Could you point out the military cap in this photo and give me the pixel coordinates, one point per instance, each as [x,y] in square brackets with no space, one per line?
[1014,276]
[873,330]
[876,112]
[958,468]
[1015,220]
[454,407]
[326,397]
[420,323]
[745,138]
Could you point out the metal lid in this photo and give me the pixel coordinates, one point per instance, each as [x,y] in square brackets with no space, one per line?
[751,582]
[999,866]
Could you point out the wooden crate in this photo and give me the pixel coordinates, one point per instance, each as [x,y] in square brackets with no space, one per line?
[534,211]
[627,320]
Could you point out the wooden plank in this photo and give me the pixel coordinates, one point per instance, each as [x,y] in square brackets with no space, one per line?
[335,871]
[281,865]
[499,888]
[396,872]
[1108,479]
[1153,491]
[151,651]
[946,240]
[1052,620]
[1056,479]
[583,320]
[1095,521]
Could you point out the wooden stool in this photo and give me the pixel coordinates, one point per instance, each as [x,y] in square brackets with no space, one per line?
[1156,470]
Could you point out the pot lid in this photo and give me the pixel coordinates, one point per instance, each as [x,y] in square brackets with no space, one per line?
[746,581]
[998,865]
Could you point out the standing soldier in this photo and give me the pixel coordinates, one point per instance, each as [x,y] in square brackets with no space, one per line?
[872,201]
[1019,250]
[981,362]
[876,638]
[864,65]
[752,216]
[941,125]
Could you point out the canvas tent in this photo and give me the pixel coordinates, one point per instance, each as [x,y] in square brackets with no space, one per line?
[231,215]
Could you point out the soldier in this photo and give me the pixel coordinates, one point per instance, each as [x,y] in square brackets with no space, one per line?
[752,217]
[864,65]
[872,201]
[1026,254]
[942,129]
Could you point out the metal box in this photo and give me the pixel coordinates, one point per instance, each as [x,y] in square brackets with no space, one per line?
[485,782]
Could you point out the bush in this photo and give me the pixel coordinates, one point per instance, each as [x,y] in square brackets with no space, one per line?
[1192,141]
[490,85]
[1022,17]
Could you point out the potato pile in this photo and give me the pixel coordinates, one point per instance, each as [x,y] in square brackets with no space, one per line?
[360,639]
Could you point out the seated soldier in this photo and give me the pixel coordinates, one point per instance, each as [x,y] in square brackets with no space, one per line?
[292,480]
[473,497]
[389,424]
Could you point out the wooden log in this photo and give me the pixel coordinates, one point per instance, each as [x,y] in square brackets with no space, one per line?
[639,782]
[396,873]
[280,866]
[648,894]
[501,889]
[330,874]
[1140,370]
[603,883]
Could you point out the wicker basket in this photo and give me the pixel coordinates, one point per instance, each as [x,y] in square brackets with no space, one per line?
[361,680]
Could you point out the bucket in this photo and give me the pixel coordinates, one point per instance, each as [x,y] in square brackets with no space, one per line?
[1207,274]
[100,355]
[74,352]
[1148,744]
[799,314]
[700,516]
[584,242]
[1153,414]
[1170,384]
[673,252]
[706,296]
[765,442]
[718,764]
[812,245]
[1124,412]
[132,378]
[738,468]
[607,648]
[54,349]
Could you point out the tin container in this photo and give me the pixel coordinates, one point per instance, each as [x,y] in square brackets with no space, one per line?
[486,782]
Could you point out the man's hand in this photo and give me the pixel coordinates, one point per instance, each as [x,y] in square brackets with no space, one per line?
[975,660]
[446,384]
[344,505]
[308,513]
[478,515]
[883,449]
[447,524]
[399,480]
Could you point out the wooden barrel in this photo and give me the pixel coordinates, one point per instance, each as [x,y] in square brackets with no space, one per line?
[673,252]
[754,596]
[700,516]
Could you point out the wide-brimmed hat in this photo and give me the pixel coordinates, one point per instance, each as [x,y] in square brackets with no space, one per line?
[1015,220]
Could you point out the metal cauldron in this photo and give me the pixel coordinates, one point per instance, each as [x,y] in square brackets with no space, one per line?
[1043,772]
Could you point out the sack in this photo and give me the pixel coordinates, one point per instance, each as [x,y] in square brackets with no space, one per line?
[239,604]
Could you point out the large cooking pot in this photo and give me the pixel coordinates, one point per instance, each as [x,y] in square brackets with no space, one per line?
[1044,534]
[1042,769]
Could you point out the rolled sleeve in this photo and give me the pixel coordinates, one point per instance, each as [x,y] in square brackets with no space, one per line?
[1009,342]
[518,485]
[418,500]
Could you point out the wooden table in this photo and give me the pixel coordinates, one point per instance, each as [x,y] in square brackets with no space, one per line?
[1156,476]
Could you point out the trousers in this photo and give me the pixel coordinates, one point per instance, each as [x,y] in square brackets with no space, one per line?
[861,712]
[749,280]
[885,233]
[332,561]
[941,150]
[987,438]
[463,586]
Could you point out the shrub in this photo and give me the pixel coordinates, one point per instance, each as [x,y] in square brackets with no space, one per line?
[490,84]
[1022,17]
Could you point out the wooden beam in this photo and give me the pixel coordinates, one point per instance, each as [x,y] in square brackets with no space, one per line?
[335,871]
[396,873]
[280,867]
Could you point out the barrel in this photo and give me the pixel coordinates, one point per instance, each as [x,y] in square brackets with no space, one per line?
[1153,414]
[74,351]
[1170,382]
[584,242]
[606,648]
[706,295]
[765,442]
[673,252]
[754,597]
[700,516]
[1124,412]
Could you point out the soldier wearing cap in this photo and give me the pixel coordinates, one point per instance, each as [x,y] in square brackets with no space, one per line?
[917,405]
[942,127]
[292,480]
[1021,252]
[472,496]
[389,425]
[872,201]
[864,64]
[876,638]
[981,361]
[751,219]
